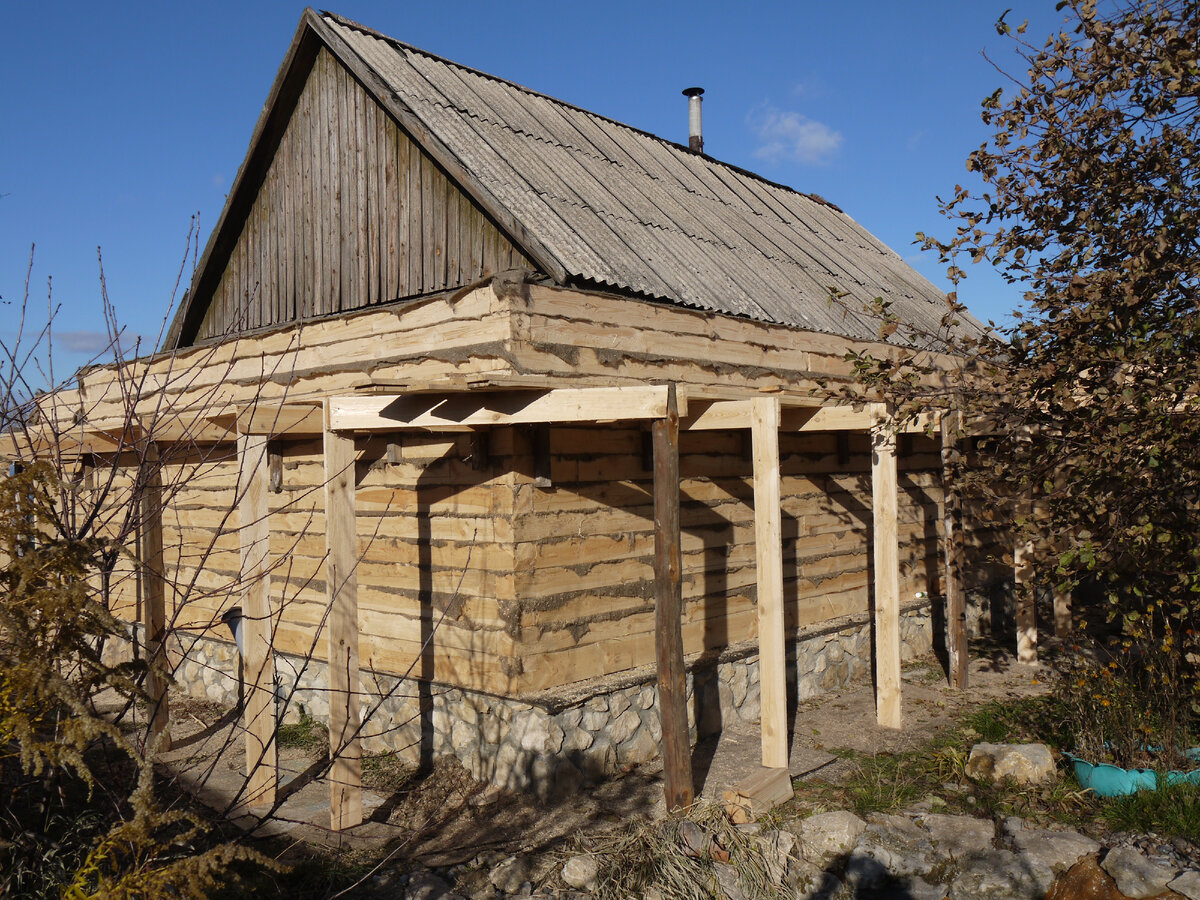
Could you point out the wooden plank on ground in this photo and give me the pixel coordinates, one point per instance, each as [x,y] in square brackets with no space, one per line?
[154,612]
[952,547]
[375,412]
[768,543]
[258,657]
[341,581]
[668,608]
[887,568]
[757,793]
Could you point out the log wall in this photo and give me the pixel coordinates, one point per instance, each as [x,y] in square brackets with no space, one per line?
[534,587]
[584,546]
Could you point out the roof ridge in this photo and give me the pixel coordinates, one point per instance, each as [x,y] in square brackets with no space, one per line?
[358,26]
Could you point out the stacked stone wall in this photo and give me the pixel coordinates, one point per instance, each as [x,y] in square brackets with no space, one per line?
[546,746]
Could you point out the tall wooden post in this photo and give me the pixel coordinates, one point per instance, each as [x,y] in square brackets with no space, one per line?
[768,540]
[1062,612]
[1025,593]
[258,658]
[154,611]
[341,584]
[887,568]
[668,610]
[952,546]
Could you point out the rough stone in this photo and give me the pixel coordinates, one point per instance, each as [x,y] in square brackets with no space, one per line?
[829,834]
[890,846]
[1023,763]
[1187,884]
[624,726]
[776,848]
[462,738]
[427,886]
[728,881]
[580,872]
[594,719]
[1059,850]
[958,836]
[618,703]
[531,730]
[570,718]
[638,749]
[577,739]
[510,874]
[1085,881]
[1136,876]
[998,875]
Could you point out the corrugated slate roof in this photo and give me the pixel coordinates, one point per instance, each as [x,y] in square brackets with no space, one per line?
[621,208]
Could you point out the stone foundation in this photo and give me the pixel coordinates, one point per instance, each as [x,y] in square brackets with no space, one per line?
[550,744]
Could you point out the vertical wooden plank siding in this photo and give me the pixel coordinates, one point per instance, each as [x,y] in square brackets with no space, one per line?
[952,550]
[341,581]
[668,609]
[154,612]
[887,568]
[258,657]
[768,540]
[350,213]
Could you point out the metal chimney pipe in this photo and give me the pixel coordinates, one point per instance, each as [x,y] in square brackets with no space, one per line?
[695,132]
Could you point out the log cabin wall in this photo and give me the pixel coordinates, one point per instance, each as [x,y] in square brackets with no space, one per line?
[350,214]
[540,586]
[434,545]
[585,545]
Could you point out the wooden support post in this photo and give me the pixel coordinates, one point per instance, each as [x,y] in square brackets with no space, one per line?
[341,584]
[258,658]
[668,610]
[887,568]
[1025,593]
[952,546]
[768,541]
[154,610]
[1062,612]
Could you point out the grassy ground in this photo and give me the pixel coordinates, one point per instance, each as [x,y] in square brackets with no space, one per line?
[934,778]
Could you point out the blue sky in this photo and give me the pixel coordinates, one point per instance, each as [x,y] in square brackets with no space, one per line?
[121,123]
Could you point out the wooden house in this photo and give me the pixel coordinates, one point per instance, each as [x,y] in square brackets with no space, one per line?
[513,432]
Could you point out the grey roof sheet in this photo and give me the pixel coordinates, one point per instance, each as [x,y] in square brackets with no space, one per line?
[618,207]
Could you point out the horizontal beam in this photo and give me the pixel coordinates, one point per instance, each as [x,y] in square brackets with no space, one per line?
[272,419]
[375,412]
[720,414]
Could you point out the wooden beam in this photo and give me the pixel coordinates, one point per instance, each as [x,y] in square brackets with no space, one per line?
[668,610]
[376,412]
[258,657]
[885,537]
[341,582]
[294,419]
[713,415]
[1062,612]
[1025,594]
[768,545]
[154,611]
[952,549]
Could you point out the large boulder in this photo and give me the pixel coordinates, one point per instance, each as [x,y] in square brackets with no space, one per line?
[1022,763]
[959,836]
[1136,876]
[829,834]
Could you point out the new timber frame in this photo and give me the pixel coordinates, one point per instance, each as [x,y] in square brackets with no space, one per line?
[670,410]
